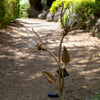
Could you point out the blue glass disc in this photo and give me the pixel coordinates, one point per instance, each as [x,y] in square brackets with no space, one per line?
[53,95]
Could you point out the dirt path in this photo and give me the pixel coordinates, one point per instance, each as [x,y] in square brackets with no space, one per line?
[20,71]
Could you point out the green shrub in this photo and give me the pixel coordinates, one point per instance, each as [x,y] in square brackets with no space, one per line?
[44,2]
[97,97]
[96,10]
[58,3]
[9,10]
[24,9]
[85,10]
[65,20]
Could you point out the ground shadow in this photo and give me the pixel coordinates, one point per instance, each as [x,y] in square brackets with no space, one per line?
[20,71]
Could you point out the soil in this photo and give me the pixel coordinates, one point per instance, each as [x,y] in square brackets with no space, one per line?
[21,69]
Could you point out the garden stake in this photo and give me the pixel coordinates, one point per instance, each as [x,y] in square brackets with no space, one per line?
[65,55]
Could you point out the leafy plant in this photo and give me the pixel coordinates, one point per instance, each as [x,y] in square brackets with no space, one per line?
[97,55]
[44,2]
[96,10]
[85,10]
[24,9]
[9,10]
[58,3]
[96,97]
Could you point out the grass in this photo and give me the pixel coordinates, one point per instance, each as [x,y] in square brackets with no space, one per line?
[96,97]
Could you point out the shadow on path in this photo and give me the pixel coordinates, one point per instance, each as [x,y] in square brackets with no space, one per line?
[20,70]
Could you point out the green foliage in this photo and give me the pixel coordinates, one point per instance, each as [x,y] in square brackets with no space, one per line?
[65,20]
[58,3]
[97,55]
[96,9]
[98,34]
[9,10]
[44,2]
[24,9]
[24,2]
[85,10]
[97,97]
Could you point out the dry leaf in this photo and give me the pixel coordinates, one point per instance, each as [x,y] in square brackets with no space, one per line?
[50,77]
[65,56]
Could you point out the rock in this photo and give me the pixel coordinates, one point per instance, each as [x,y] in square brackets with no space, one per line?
[53,17]
[49,17]
[96,29]
[98,22]
[57,15]
[43,15]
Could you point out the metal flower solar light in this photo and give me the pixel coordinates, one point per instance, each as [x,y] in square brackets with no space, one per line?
[65,55]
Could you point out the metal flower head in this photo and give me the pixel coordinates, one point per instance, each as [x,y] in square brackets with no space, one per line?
[32,43]
[72,18]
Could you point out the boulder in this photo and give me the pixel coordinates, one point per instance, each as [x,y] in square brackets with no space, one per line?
[96,29]
[57,15]
[53,17]
[49,17]
[43,15]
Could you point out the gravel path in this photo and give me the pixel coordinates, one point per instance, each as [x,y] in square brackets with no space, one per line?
[20,70]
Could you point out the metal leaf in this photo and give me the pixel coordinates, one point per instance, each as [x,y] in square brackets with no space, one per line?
[65,56]
[50,77]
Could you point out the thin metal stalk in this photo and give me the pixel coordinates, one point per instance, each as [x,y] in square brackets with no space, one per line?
[60,48]
[59,90]
[60,62]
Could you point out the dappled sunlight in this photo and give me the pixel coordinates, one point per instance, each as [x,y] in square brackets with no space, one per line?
[21,69]
[21,34]
[2,56]
[83,61]
[40,74]
[35,76]
[38,25]
[90,71]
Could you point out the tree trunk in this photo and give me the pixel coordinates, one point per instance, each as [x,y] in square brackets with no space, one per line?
[35,8]
[49,3]
[36,4]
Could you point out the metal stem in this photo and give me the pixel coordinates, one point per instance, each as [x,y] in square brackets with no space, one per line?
[59,90]
[60,48]
[60,62]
